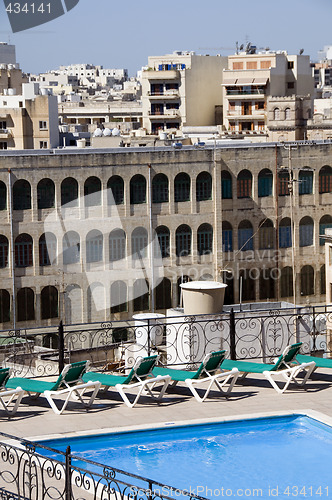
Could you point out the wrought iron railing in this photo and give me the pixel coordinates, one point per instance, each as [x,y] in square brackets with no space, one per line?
[181,340]
[29,470]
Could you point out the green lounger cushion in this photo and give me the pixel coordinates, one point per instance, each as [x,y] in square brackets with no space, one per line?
[178,375]
[105,379]
[320,362]
[246,366]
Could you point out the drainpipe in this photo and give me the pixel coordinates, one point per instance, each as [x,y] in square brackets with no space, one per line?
[12,250]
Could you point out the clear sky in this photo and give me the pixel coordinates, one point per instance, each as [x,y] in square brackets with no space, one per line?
[119,34]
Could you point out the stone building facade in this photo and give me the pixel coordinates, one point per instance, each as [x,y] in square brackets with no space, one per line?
[75,227]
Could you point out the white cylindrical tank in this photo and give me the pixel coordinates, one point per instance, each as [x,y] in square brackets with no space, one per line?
[203,297]
[143,322]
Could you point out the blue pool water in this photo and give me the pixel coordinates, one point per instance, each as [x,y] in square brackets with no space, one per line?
[280,457]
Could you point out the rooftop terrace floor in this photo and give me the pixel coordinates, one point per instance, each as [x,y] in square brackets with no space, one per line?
[253,397]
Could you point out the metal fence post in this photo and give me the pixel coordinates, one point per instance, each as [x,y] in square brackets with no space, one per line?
[61,347]
[232,335]
[149,338]
[68,492]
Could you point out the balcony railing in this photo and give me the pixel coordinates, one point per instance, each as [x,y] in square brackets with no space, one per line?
[245,92]
[164,94]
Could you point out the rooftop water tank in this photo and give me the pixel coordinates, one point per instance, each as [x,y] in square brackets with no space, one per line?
[203,297]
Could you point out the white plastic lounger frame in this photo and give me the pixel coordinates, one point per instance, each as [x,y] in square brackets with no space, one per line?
[143,385]
[231,376]
[290,374]
[7,405]
[76,392]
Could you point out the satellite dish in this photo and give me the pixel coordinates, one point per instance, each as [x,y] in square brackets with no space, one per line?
[241,46]
[301,51]
[98,132]
[107,132]
[115,131]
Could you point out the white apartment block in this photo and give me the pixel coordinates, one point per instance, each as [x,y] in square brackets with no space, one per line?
[181,89]
[252,77]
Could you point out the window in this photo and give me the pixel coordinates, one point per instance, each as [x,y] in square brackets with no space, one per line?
[276,114]
[117,245]
[163,296]
[42,125]
[265,182]
[266,64]
[71,247]
[285,233]
[164,241]
[290,64]
[141,295]
[115,190]
[183,241]
[49,302]
[252,65]
[305,182]
[266,284]
[244,181]
[226,185]
[3,145]
[21,195]
[118,297]
[160,189]
[139,243]
[43,145]
[245,236]
[92,192]
[283,182]
[290,85]
[3,196]
[306,229]
[324,223]
[266,235]
[287,114]
[237,65]
[325,179]
[4,306]
[137,190]
[46,194]
[25,305]
[23,251]
[204,239]
[94,246]
[307,280]
[231,106]
[3,125]
[227,237]
[260,105]
[47,249]
[182,188]
[204,187]
[322,280]
[69,192]
[3,251]
[286,282]
[248,285]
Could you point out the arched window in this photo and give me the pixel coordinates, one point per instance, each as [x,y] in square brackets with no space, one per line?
[119,301]
[227,237]
[117,245]
[69,192]
[287,114]
[3,251]
[25,304]
[71,248]
[229,291]
[115,190]
[160,189]
[276,114]
[324,223]
[226,185]
[285,233]
[266,235]
[204,239]
[183,241]
[4,306]
[139,243]
[182,279]
[307,280]
[23,251]
[325,180]
[164,241]
[141,295]
[244,183]
[92,192]
[96,302]
[266,284]
[21,195]
[283,183]
[245,236]
[248,285]
[306,229]
[47,249]
[45,194]
[204,186]
[137,190]
[182,188]
[265,182]
[286,282]
[305,181]
[163,294]
[3,196]
[94,246]
[49,302]
[322,280]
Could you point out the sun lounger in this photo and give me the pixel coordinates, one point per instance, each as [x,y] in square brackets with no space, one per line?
[285,366]
[140,377]
[9,398]
[69,383]
[208,372]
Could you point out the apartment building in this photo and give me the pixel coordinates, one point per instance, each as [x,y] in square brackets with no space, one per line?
[181,89]
[81,227]
[28,120]
[252,77]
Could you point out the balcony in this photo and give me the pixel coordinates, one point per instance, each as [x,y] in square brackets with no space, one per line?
[162,75]
[167,113]
[246,92]
[5,133]
[167,94]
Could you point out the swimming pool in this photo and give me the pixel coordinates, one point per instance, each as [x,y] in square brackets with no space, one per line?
[279,457]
